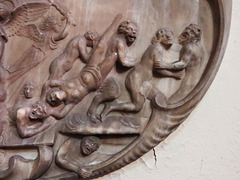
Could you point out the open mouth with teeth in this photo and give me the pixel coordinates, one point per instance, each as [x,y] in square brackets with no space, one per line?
[87,150]
[131,38]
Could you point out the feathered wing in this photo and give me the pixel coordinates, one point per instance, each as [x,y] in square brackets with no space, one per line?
[23,15]
[32,32]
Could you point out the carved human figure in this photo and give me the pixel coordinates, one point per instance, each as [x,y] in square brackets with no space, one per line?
[118,47]
[191,59]
[21,110]
[75,159]
[71,92]
[26,99]
[136,80]
[76,48]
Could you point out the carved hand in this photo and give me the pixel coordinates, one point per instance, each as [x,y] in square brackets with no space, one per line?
[179,65]
[84,172]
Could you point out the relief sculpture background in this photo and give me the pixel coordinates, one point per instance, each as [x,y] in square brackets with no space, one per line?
[86,87]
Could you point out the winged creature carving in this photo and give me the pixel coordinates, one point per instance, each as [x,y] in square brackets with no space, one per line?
[34,20]
[19,21]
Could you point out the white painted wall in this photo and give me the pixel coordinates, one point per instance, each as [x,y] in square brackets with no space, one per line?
[207,145]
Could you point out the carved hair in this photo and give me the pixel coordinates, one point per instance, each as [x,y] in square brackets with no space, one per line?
[160,35]
[122,28]
[91,35]
[33,84]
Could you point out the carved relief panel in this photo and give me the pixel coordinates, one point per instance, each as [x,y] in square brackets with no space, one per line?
[87,87]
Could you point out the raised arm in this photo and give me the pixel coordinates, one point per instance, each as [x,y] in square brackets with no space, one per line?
[98,51]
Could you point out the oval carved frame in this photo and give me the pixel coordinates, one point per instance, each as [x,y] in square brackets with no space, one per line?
[165,117]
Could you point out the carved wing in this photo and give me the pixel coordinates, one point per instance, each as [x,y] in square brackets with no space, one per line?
[31,31]
[23,15]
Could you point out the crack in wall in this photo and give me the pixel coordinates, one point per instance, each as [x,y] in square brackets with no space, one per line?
[155,156]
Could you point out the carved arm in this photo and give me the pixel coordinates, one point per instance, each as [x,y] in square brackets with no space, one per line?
[167,73]
[84,55]
[59,114]
[176,66]
[125,61]
[26,131]
[66,15]
[65,31]
[62,161]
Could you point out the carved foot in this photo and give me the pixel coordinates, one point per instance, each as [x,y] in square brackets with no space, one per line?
[94,118]
[107,109]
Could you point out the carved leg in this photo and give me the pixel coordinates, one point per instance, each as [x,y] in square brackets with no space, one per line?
[133,86]
[109,91]
[134,106]
[92,111]
[98,52]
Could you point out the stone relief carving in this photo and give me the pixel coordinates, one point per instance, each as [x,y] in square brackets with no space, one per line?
[85,95]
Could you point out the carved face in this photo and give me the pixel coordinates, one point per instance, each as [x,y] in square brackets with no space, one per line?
[89,145]
[39,111]
[165,36]
[55,97]
[129,29]
[191,33]
[29,90]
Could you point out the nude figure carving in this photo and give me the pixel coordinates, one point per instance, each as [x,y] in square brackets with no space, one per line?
[150,63]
